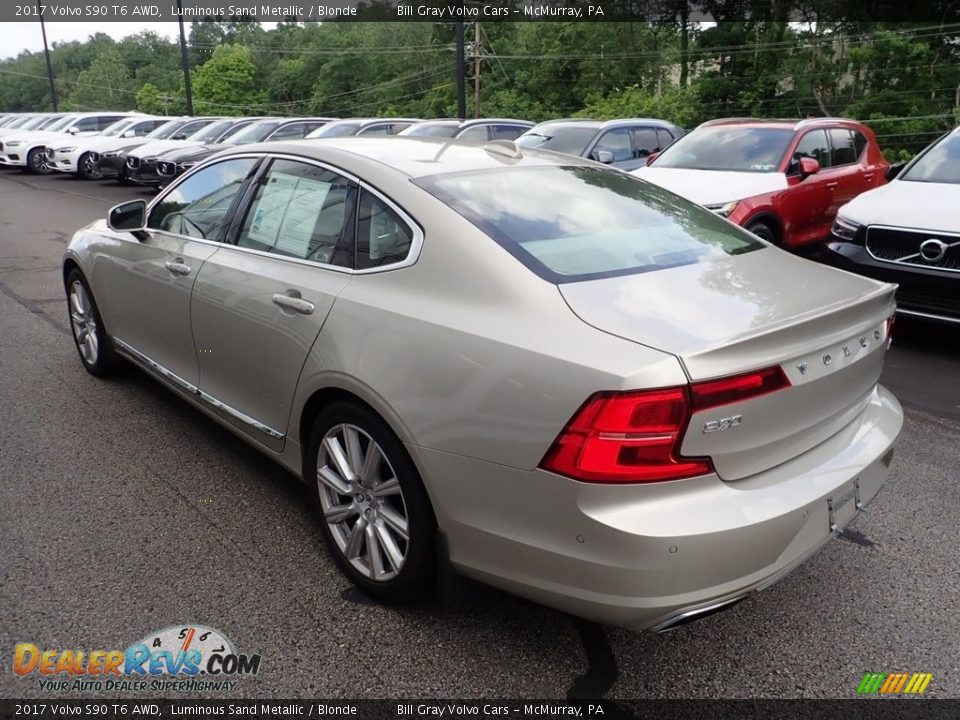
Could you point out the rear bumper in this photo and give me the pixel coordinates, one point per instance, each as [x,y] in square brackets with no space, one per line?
[923,292]
[650,556]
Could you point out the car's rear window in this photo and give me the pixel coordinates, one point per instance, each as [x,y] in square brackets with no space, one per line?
[569,223]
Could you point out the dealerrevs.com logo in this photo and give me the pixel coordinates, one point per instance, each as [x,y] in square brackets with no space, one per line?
[181,658]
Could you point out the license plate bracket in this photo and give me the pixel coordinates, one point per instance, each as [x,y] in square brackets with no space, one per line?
[841,509]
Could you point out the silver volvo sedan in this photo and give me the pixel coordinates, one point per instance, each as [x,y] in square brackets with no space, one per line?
[583,388]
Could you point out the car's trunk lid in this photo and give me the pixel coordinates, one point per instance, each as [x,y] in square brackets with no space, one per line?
[733,314]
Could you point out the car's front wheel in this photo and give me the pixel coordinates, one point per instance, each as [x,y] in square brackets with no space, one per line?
[764,231]
[96,352]
[37,162]
[375,513]
[87,168]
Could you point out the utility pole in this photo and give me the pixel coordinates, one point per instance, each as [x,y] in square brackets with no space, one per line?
[185,60]
[476,68]
[46,54]
[461,71]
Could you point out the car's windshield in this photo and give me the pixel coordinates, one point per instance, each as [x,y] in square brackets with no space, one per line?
[939,164]
[726,147]
[118,127]
[253,133]
[335,130]
[579,223]
[212,131]
[61,123]
[165,130]
[559,138]
[24,122]
[432,130]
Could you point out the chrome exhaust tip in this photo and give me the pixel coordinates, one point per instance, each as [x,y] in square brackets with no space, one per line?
[689,616]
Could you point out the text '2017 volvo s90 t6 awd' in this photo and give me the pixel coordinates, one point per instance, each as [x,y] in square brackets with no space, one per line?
[597,394]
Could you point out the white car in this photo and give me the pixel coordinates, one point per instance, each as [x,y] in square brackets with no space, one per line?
[29,122]
[28,150]
[908,232]
[77,156]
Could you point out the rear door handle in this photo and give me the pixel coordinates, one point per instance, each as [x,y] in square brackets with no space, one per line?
[177,267]
[292,300]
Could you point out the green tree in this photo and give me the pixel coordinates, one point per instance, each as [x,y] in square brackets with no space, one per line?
[225,84]
[105,85]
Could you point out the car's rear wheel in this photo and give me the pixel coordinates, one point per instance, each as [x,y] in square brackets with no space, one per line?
[87,168]
[375,514]
[37,162]
[93,345]
[764,230]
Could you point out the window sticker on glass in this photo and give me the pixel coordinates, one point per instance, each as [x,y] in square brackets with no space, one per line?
[287,212]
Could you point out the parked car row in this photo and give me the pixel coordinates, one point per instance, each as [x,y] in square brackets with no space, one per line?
[785,181]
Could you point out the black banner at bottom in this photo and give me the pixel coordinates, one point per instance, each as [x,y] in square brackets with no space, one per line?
[407,709]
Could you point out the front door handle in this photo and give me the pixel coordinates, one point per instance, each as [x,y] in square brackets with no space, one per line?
[292,300]
[832,185]
[177,267]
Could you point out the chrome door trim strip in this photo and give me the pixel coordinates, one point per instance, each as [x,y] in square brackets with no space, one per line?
[928,316]
[194,390]
[246,419]
[156,367]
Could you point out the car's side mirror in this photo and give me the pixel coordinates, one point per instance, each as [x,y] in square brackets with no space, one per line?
[894,170]
[808,167]
[129,217]
[73,130]
[652,156]
[179,136]
[129,133]
[603,156]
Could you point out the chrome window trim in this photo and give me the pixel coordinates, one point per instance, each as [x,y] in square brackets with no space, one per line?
[416,243]
[928,316]
[902,261]
[194,390]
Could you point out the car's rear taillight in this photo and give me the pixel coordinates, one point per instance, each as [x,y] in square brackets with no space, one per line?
[889,336]
[738,388]
[635,436]
[627,437]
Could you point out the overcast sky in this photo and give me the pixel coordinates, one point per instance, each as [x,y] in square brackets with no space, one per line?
[15,37]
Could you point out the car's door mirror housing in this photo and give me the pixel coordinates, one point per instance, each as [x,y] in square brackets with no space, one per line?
[603,156]
[73,130]
[808,167]
[894,170]
[129,133]
[179,136]
[129,217]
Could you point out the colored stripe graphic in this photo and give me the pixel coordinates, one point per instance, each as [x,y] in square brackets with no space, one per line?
[894,683]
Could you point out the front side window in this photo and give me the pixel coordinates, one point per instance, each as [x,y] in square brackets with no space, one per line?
[165,130]
[253,133]
[117,128]
[105,121]
[192,128]
[302,211]
[579,223]
[212,131]
[506,132]
[940,163]
[844,148]
[198,207]
[812,145]
[569,139]
[335,130]
[476,134]
[447,130]
[86,124]
[383,238]
[745,149]
[616,141]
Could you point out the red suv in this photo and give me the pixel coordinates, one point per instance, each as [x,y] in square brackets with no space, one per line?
[782,180]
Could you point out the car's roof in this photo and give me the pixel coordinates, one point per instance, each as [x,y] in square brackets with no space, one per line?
[606,124]
[413,156]
[783,123]
[473,121]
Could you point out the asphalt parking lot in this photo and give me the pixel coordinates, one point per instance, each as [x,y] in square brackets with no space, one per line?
[124,511]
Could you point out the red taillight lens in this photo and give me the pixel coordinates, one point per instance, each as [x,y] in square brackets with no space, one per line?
[890,321]
[737,388]
[627,437]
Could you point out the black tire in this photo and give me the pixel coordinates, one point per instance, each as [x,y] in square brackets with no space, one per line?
[105,362]
[416,576]
[37,163]
[765,231]
[86,168]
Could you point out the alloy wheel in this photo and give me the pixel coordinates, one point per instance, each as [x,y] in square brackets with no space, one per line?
[84,323]
[362,502]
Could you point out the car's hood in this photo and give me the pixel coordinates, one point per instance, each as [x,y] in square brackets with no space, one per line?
[122,144]
[910,204]
[192,153]
[97,144]
[713,187]
[33,135]
[157,147]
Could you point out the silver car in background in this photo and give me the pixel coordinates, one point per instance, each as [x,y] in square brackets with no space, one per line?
[597,394]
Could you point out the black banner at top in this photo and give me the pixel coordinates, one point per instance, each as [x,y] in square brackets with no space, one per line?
[655,11]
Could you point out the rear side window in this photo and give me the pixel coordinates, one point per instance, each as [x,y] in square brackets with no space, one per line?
[580,223]
[813,145]
[506,132]
[645,141]
[860,143]
[383,238]
[477,134]
[663,138]
[844,150]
